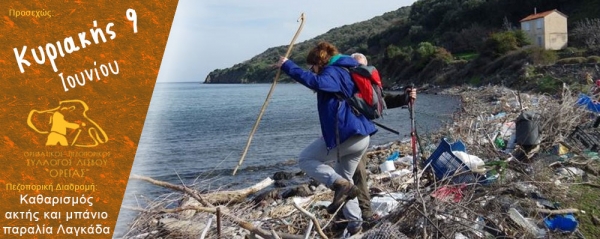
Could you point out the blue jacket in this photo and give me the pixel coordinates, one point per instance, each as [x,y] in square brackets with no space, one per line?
[331,80]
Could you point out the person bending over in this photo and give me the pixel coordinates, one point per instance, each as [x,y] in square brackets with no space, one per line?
[345,135]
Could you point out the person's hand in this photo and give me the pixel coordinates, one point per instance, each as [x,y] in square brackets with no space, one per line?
[281,61]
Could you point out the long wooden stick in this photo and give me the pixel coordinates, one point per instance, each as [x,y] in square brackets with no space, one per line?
[262,110]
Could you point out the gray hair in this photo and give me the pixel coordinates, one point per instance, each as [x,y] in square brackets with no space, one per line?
[358,56]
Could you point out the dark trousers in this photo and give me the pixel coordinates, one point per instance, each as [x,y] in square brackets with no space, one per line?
[360,180]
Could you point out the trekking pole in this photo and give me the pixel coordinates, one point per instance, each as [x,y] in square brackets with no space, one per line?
[413,138]
[262,110]
[413,144]
[387,128]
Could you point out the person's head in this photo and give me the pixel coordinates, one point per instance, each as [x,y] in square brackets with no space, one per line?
[320,55]
[362,59]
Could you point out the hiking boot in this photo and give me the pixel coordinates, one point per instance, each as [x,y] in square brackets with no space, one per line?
[370,221]
[338,223]
[344,190]
[355,230]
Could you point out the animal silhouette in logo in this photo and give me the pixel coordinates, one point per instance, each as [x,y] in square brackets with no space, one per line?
[65,123]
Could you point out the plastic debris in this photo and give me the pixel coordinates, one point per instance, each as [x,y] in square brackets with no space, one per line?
[449,193]
[565,223]
[526,224]
[570,172]
[383,205]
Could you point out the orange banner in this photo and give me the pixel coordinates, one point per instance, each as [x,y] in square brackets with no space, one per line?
[77,78]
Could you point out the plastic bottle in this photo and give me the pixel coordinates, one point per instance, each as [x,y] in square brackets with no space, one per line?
[526,224]
[499,142]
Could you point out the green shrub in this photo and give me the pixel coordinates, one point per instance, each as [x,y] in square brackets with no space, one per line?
[572,60]
[548,85]
[423,54]
[425,50]
[522,38]
[541,56]
[572,52]
[500,43]
[593,59]
[392,51]
[443,54]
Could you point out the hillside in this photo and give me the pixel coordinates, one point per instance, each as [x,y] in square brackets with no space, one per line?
[445,42]
[348,38]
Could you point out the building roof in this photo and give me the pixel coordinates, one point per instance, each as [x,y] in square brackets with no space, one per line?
[541,15]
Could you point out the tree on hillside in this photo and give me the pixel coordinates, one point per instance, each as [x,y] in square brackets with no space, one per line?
[587,32]
[501,43]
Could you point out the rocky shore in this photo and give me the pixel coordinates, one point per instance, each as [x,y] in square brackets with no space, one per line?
[551,190]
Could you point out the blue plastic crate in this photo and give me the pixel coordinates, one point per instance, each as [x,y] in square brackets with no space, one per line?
[445,164]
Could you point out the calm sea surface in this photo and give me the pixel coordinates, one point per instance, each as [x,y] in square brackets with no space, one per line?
[195,134]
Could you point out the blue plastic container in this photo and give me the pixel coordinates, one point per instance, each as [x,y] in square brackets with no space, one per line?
[565,223]
[445,164]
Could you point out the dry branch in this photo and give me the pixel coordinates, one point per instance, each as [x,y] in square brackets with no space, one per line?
[209,199]
[193,193]
[312,218]
[240,222]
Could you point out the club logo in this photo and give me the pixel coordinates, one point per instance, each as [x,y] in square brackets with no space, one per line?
[64,125]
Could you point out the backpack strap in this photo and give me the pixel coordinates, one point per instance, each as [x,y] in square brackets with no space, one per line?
[366,71]
[342,97]
[337,131]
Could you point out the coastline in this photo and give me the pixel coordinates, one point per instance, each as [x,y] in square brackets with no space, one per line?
[473,124]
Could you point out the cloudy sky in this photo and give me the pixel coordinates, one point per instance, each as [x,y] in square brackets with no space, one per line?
[216,34]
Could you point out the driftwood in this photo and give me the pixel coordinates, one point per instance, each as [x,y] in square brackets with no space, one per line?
[240,222]
[186,190]
[238,196]
[205,202]
[220,197]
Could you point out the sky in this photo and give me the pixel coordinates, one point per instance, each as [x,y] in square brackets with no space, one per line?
[217,34]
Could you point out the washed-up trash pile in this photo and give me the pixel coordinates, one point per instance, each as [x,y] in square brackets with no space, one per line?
[509,161]
[502,169]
